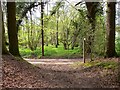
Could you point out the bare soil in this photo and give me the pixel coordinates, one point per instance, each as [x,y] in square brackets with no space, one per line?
[21,74]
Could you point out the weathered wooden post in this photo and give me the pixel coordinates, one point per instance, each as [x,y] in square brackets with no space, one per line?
[84,50]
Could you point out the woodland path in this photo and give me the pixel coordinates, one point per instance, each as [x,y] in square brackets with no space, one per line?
[54,73]
[65,74]
[53,61]
[55,64]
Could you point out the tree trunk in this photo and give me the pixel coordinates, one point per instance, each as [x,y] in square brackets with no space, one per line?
[73,42]
[31,46]
[12,32]
[57,31]
[0,30]
[75,35]
[42,32]
[4,49]
[67,37]
[111,29]
[91,8]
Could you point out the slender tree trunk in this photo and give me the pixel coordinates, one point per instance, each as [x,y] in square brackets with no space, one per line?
[67,37]
[111,29]
[12,32]
[76,33]
[57,31]
[47,7]
[31,33]
[73,42]
[42,31]
[47,15]
[28,33]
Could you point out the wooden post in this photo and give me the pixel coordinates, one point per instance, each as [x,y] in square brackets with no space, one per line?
[84,50]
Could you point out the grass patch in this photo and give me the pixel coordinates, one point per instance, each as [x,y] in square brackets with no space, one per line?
[51,52]
[103,64]
[108,65]
[25,52]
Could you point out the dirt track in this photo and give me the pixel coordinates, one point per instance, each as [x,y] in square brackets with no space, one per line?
[23,75]
[53,61]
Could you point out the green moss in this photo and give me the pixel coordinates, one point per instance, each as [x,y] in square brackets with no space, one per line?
[104,64]
[108,65]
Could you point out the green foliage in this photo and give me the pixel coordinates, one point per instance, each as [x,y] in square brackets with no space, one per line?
[99,37]
[73,26]
[57,6]
[25,52]
[51,52]
[29,35]
[117,42]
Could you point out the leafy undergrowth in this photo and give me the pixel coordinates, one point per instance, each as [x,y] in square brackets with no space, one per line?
[51,52]
[17,73]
